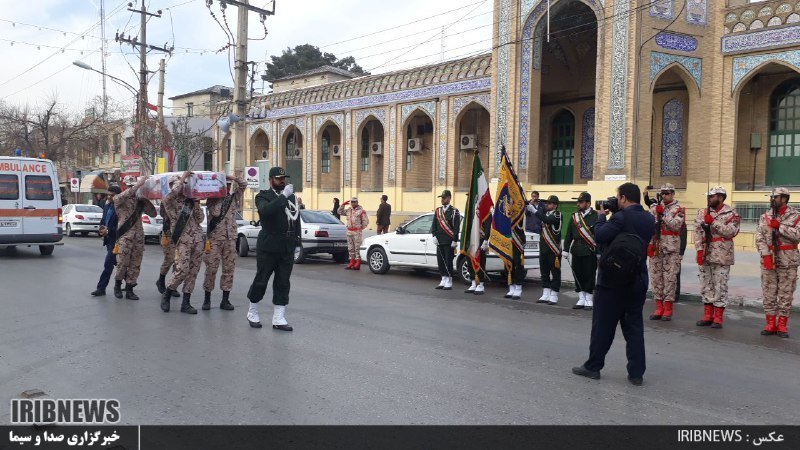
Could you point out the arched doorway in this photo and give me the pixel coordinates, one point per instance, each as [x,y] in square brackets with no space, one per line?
[767,120]
[370,156]
[259,146]
[293,156]
[562,148]
[558,115]
[472,135]
[783,159]
[669,134]
[330,158]
[418,146]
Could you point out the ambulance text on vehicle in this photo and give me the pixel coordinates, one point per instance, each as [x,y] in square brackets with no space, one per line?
[30,204]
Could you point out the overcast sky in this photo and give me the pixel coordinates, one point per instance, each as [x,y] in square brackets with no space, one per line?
[39,62]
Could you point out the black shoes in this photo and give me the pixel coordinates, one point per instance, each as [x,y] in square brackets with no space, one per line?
[165,299]
[186,307]
[118,289]
[160,284]
[254,324]
[129,294]
[207,302]
[277,327]
[98,293]
[226,304]
[635,381]
[584,372]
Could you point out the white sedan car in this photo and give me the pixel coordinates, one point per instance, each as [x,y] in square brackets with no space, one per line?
[83,219]
[411,245]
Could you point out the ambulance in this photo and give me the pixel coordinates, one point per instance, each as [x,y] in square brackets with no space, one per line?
[30,204]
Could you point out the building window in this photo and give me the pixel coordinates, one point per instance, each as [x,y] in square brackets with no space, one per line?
[672,139]
[326,152]
[129,146]
[189,109]
[783,163]
[365,150]
[117,142]
[409,155]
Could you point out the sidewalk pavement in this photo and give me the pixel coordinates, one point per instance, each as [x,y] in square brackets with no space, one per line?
[744,287]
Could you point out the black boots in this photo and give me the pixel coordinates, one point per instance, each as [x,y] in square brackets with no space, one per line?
[118,288]
[98,292]
[207,301]
[161,283]
[186,307]
[129,292]
[226,304]
[165,298]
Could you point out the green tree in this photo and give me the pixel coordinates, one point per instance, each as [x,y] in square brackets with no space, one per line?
[307,57]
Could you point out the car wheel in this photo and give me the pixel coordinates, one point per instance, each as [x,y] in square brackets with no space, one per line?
[242,246]
[299,255]
[378,262]
[463,269]
[46,250]
[84,233]
[69,231]
[341,257]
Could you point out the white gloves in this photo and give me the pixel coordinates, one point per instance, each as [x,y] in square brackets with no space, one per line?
[565,254]
[531,209]
[435,241]
[485,245]
[454,244]
[288,190]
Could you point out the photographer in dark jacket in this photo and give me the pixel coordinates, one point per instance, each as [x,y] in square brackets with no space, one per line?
[108,229]
[620,304]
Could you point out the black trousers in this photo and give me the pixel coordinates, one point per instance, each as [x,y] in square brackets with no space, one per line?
[281,265]
[482,271]
[623,307]
[518,269]
[551,276]
[108,267]
[678,286]
[444,257]
[585,268]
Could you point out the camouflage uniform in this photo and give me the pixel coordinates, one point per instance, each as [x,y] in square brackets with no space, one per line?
[169,249]
[223,241]
[715,272]
[131,244]
[780,280]
[189,248]
[665,252]
[357,222]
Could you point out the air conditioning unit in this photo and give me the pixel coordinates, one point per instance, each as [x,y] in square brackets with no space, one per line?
[376,148]
[415,145]
[337,150]
[468,142]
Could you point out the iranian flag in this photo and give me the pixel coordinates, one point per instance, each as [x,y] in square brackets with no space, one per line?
[477,215]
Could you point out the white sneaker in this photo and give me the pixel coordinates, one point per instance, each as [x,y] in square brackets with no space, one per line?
[511,291]
[517,292]
[479,289]
[581,301]
[448,283]
[553,298]
[545,296]
[252,314]
[278,316]
[441,283]
[472,287]
[589,301]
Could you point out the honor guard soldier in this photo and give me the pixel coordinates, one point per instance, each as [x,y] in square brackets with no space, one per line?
[279,236]
[445,227]
[777,240]
[187,234]
[221,242]
[664,251]
[130,236]
[357,222]
[580,245]
[714,230]
[550,253]
[167,245]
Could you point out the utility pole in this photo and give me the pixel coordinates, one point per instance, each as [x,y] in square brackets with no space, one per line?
[161,92]
[141,104]
[240,97]
[103,56]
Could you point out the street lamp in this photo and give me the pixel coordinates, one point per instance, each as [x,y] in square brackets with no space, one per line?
[121,82]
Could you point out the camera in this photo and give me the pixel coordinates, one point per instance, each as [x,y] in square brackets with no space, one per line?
[609,204]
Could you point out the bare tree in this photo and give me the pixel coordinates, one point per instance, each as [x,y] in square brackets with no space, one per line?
[190,144]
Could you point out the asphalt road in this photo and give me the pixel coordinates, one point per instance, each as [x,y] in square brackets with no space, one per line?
[369,349]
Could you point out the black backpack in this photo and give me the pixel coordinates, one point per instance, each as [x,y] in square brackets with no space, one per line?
[622,260]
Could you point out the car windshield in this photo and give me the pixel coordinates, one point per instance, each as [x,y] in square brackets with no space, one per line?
[318,217]
[88,208]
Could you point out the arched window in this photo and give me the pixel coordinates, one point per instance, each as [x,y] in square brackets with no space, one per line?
[290,146]
[783,163]
[409,156]
[365,150]
[326,152]
[672,139]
